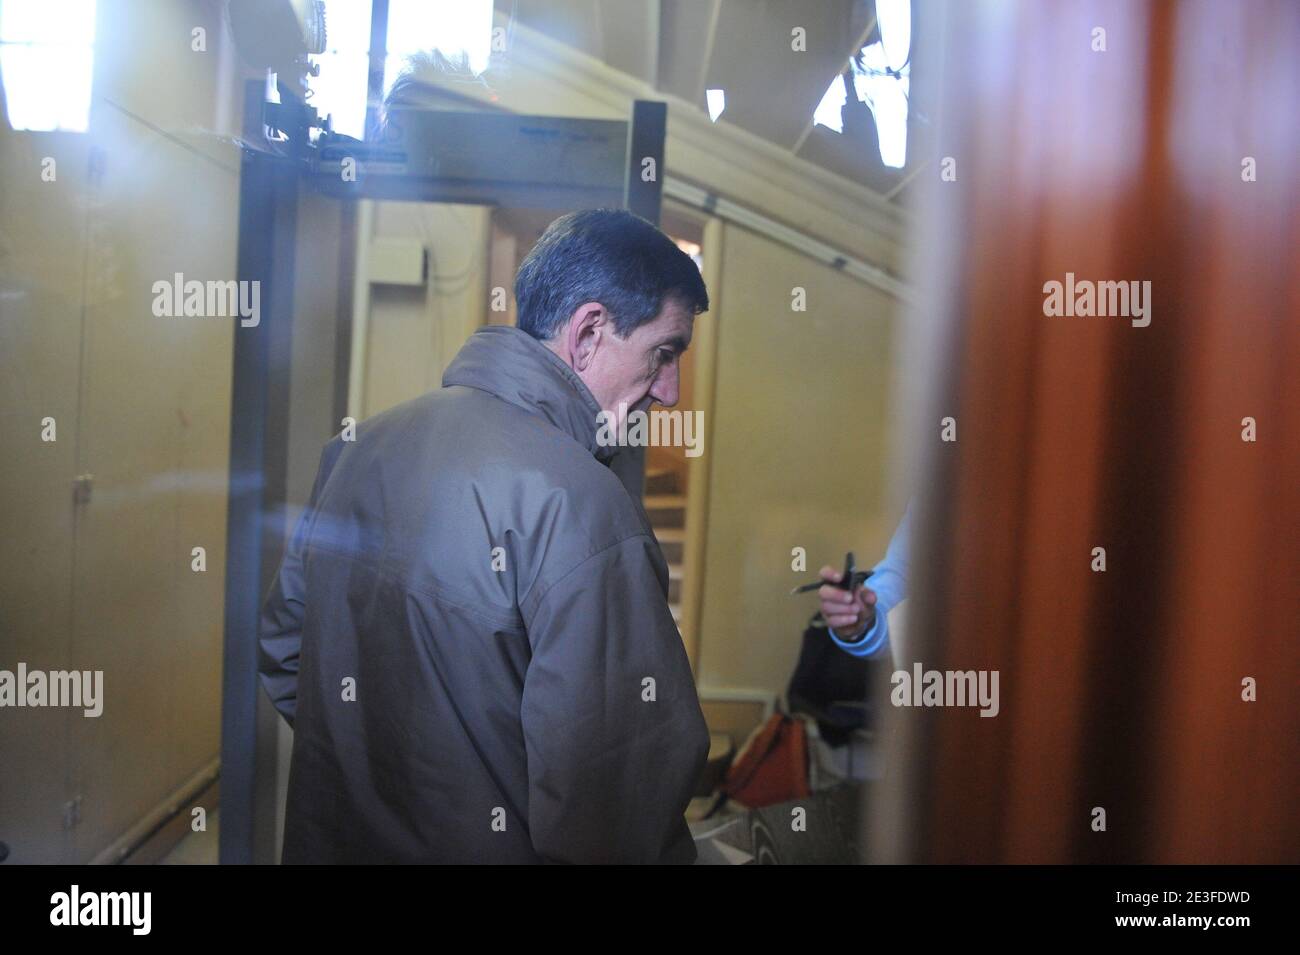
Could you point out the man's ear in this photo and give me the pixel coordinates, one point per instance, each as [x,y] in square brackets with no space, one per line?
[586,331]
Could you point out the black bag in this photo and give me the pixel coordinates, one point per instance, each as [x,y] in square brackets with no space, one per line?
[830,685]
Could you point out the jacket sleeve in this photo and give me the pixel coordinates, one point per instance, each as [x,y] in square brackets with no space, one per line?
[889,580]
[613,731]
[280,626]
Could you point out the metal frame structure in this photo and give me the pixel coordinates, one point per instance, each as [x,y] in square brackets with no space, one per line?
[444,157]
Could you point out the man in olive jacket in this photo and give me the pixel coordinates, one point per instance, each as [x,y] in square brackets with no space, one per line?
[470,631]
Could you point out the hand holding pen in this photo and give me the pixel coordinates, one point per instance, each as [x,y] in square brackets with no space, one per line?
[847,606]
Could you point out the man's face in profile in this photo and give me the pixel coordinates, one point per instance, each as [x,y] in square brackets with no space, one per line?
[630,374]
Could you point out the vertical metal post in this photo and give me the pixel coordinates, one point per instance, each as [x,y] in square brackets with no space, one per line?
[255,516]
[643,188]
[642,191]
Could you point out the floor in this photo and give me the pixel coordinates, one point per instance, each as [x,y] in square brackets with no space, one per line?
[197,848]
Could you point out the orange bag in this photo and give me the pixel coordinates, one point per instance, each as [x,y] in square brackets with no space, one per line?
[773,765]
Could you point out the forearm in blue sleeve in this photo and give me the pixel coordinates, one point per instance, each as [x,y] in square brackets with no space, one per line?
[871,643]
[889,583]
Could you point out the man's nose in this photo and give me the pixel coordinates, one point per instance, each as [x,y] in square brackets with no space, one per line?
[665,389]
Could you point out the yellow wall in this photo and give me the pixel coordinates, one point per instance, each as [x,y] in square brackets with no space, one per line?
[143,404]
[414,332]
[798,454]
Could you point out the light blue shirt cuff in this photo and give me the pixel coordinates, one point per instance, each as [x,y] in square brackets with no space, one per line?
[870,643]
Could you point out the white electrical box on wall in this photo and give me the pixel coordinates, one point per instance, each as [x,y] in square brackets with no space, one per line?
[397,261]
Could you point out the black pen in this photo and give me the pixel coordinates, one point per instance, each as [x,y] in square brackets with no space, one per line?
[849,581]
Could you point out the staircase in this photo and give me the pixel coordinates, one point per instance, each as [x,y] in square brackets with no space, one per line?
[665,505]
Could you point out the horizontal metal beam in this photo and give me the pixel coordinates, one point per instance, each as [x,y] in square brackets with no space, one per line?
[499,159]
[723,208]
